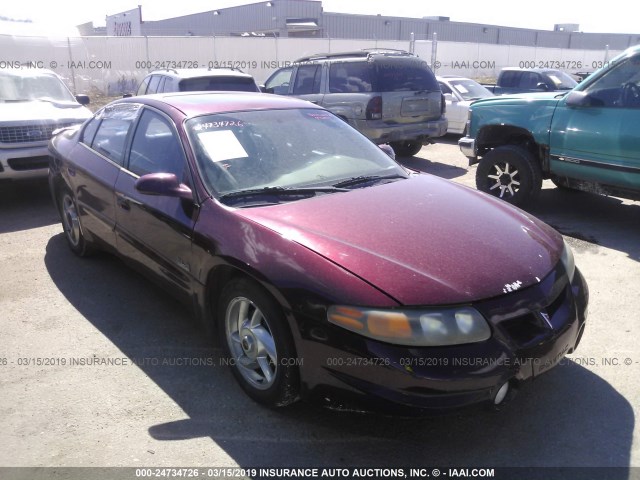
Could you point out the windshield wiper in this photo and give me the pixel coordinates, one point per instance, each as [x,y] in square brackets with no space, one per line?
[280,191]
[365,179]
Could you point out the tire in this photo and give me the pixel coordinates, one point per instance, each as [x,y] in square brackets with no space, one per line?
[72,225]
[511,173]
[408,148]
[257,340]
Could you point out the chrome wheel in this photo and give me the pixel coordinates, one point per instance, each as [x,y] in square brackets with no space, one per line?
[510,172]
[506,178]
[71,220]
[251,343]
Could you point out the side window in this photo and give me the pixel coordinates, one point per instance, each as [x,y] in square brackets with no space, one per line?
[307,80]
[156,147]
[160,88]
[509,78]
[142,89]
[279,82]
[350,77]
[90,130]
[530,80]
[111,137]
[619,87]
[170,85]
[153,84]
[444,88]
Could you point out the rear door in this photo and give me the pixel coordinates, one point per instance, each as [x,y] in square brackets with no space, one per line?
[600,142]
[306,83]
[155,232]
[99,158]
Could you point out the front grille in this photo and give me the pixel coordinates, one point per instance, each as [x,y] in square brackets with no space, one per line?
[31,133]
[529,328]
[29,163]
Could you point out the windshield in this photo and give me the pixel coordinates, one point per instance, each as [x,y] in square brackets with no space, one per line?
[470,89]
[561,80]
[20,87]
[284,149]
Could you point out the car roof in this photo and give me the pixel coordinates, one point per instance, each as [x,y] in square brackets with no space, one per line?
[28,72]
[451,77]
[202,72]
[363,55]
[200,103]
[536,69]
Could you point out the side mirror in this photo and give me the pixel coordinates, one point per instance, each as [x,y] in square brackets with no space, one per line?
[578,99]
[542,86]
[165,184]
[83,99]
[448,97]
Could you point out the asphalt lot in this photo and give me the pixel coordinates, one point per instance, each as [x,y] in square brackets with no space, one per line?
[56,309]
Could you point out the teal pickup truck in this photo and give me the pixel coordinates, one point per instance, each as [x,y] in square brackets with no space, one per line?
[586,139]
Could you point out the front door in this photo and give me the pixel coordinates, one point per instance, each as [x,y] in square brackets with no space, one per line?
[600,142]
[155,231]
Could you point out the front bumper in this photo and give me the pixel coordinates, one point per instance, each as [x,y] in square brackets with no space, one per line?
[380,132]
[533,329]
[24,163]
[468,147]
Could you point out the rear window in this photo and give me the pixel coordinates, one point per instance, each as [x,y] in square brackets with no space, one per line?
[236,84]
[403,74]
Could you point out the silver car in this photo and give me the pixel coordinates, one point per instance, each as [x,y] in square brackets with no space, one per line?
[391,96]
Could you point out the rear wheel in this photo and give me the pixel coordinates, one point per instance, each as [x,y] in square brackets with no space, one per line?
[258,343]
[407,148]
[71,224]
[511,173]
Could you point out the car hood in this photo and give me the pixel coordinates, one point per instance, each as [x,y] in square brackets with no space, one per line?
[550,98]
[16,112]
[423,241]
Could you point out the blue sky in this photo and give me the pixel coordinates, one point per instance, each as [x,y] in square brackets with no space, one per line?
[591,16]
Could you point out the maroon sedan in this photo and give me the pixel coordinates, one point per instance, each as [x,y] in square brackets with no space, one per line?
[325,268]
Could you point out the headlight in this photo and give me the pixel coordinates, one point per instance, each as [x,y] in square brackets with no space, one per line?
[568,261]
[418,328]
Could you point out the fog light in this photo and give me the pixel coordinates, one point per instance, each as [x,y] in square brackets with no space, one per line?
[502,393]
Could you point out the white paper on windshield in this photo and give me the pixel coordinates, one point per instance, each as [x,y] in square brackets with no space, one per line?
[461,88]
[222,145]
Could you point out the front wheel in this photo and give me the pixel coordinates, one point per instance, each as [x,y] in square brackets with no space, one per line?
[511,173]
[408,148]
[258,344]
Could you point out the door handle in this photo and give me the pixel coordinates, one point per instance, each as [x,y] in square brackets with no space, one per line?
[123,203]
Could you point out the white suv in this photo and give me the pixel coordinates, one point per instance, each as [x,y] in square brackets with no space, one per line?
[33,103]
[197,79]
